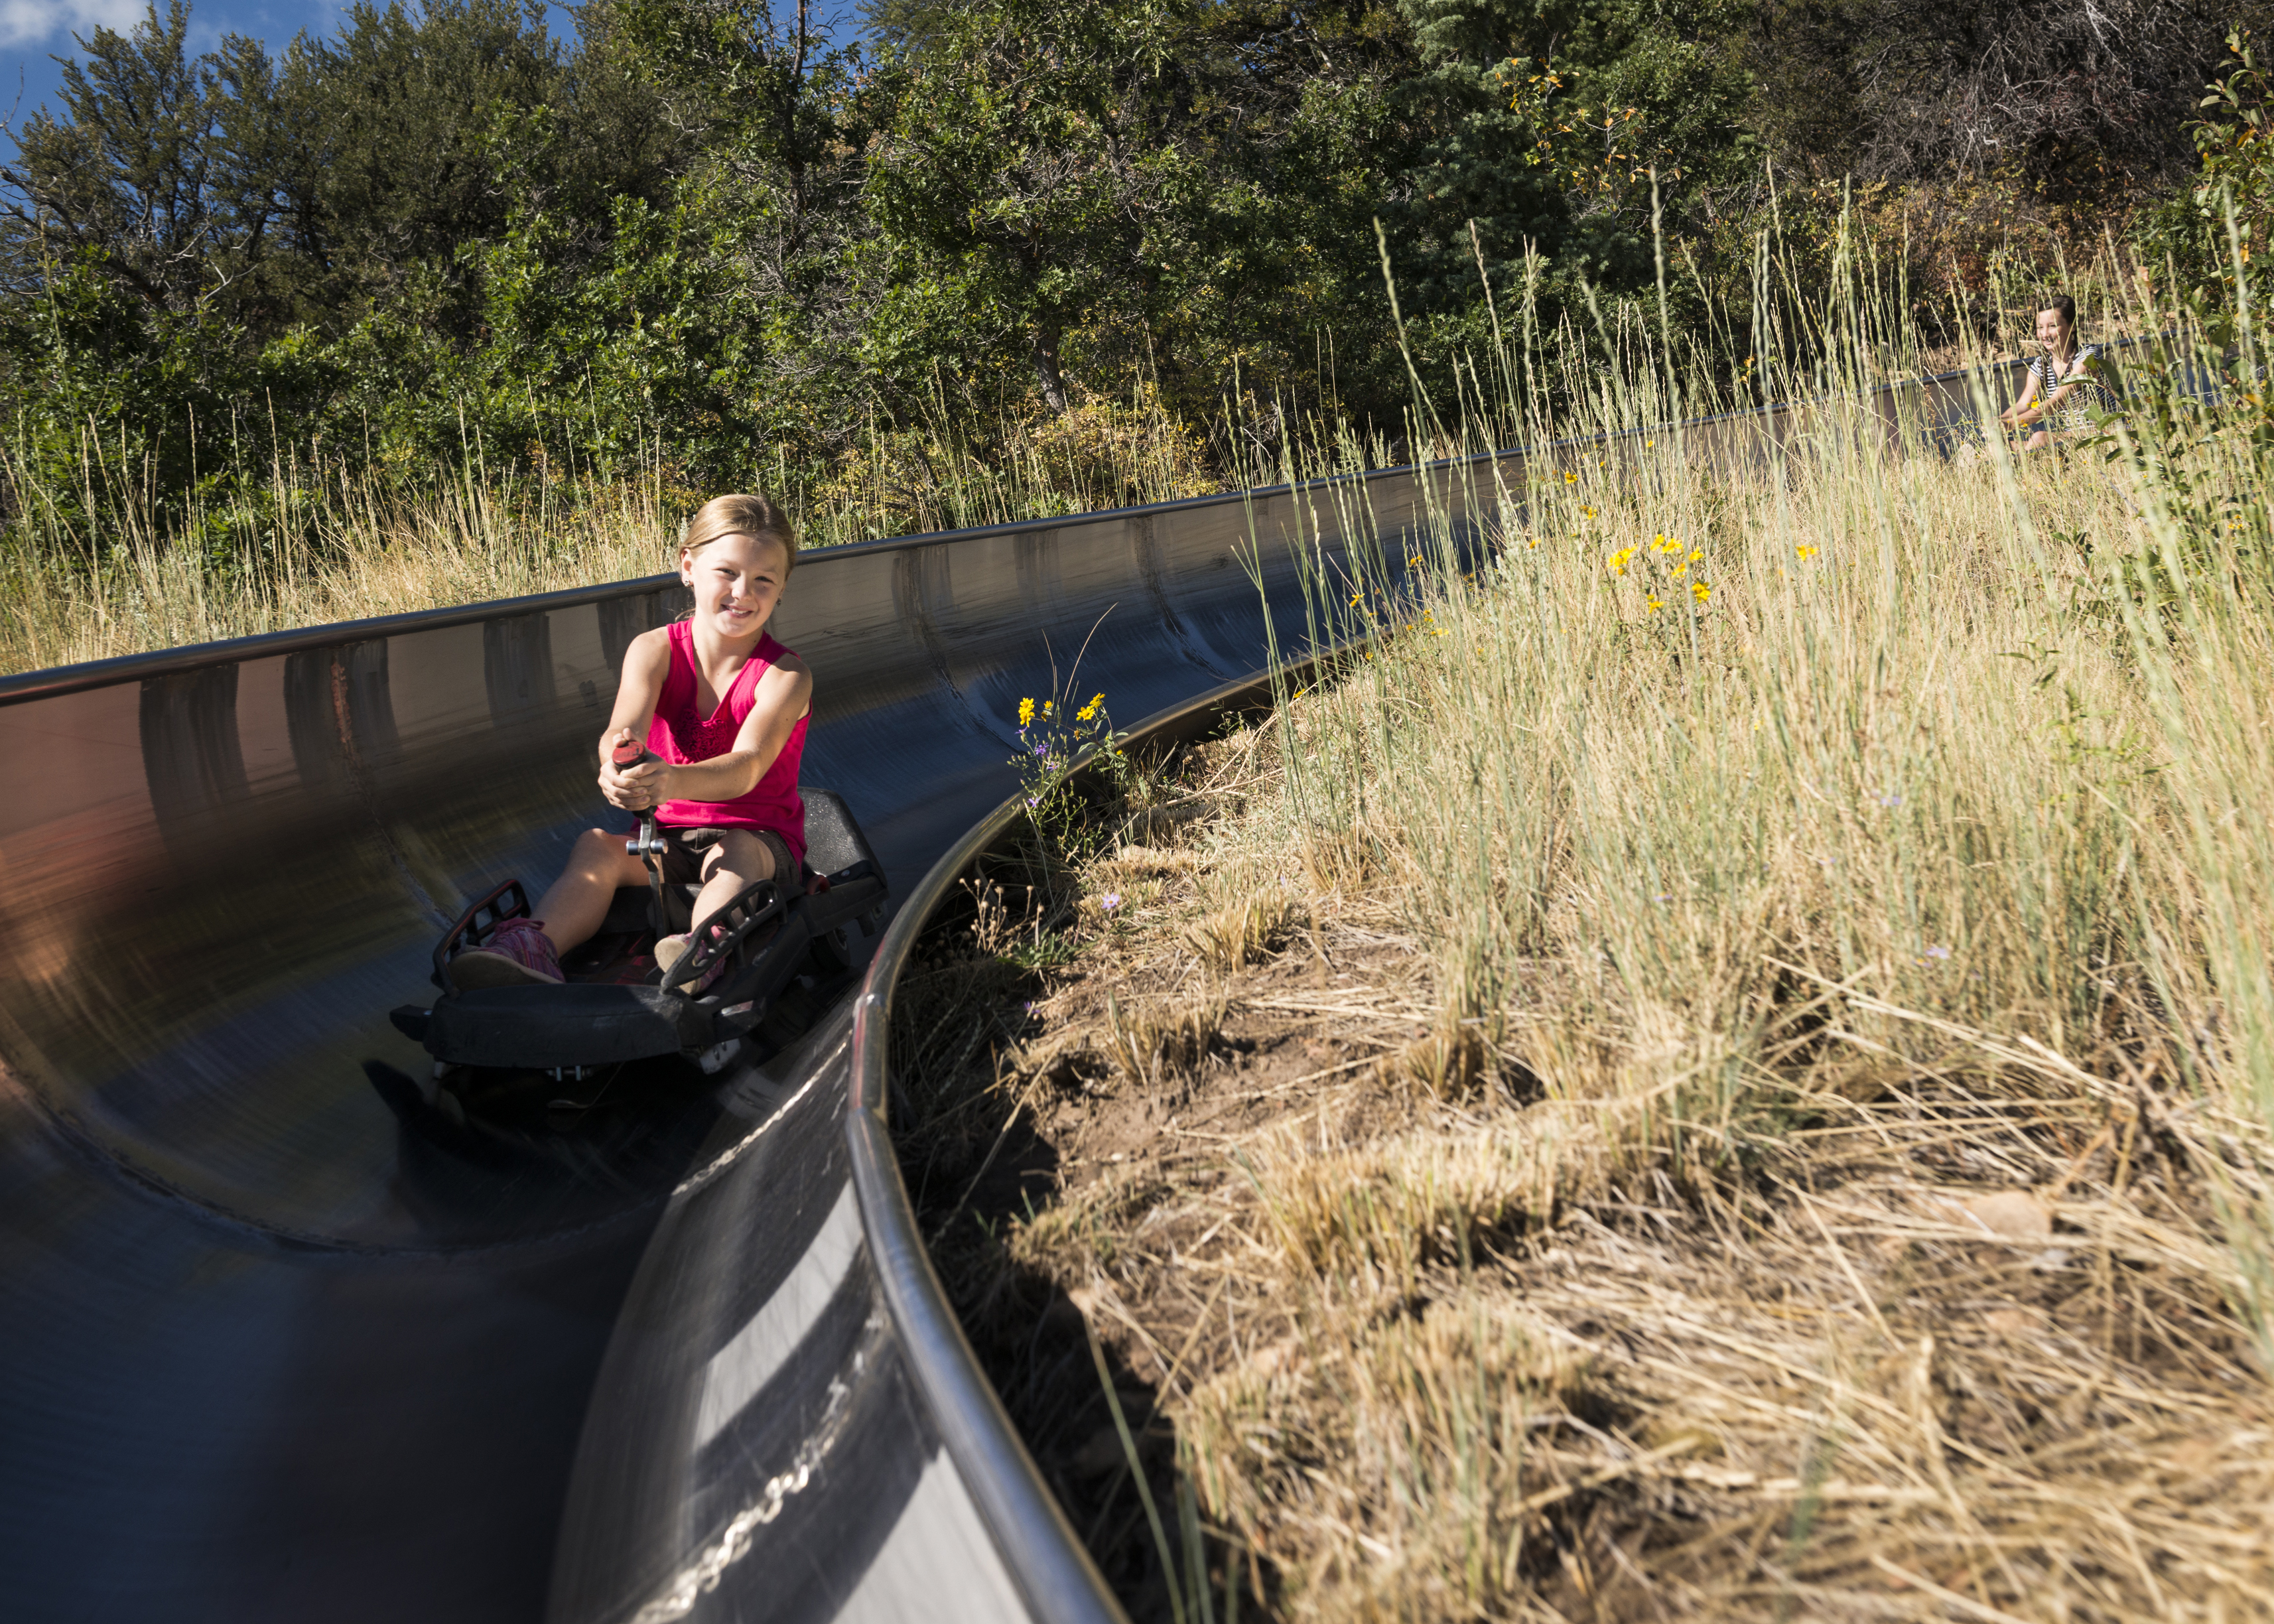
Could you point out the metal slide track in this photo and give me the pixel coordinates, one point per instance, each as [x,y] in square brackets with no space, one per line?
[272,1348]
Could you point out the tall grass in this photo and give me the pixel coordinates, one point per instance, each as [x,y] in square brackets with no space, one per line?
[322,549]
[1736,717]
[1740,795]
[107,564]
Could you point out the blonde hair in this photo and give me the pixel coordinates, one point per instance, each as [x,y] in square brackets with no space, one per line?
[741,516]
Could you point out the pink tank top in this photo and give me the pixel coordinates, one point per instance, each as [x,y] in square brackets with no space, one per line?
[680,735]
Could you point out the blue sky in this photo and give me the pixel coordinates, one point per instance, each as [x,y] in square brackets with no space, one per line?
[33,32]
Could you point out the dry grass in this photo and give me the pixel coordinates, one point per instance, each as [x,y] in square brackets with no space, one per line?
[1154,1044]
[1244,932]
[1721,1106]
[138,587]
[316,543]
[1819,1400]
[1947,1345]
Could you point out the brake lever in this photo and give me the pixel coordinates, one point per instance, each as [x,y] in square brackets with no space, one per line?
[647,844]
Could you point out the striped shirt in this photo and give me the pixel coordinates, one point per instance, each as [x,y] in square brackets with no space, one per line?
[2094,379]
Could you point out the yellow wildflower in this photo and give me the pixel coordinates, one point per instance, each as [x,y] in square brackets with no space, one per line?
[1026,712]
[1700,590]
[1570,480]
[1655,603]
[1805,553]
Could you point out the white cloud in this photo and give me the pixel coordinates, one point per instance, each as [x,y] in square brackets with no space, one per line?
[51,23]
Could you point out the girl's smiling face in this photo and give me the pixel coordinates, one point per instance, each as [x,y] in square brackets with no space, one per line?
[2052,332]
[737,581]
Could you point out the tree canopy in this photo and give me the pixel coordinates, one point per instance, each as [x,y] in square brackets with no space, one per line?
[704,231]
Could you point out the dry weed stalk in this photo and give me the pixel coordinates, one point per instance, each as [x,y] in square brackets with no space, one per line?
[1245,932]
[1453,1060]
[1155,1044]
[1497,1384]
[1377,1214]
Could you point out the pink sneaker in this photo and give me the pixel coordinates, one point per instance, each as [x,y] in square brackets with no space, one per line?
[668,952]
[517,953]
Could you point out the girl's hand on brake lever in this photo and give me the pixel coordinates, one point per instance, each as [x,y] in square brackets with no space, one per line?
[637,788]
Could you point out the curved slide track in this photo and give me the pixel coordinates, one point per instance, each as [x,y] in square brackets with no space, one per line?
[281,1340]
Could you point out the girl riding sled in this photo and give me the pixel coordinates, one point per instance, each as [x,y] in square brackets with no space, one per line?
[2065,386]
[722,707]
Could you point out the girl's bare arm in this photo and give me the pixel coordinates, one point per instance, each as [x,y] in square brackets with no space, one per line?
[2013,413]
[647,663]
[2052,401]
[783,694]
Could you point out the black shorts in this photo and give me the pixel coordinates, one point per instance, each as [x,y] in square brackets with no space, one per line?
[684,851]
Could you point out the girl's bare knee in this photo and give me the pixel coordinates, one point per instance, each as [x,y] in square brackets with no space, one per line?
[598,857]
[595,846]
[743,855]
